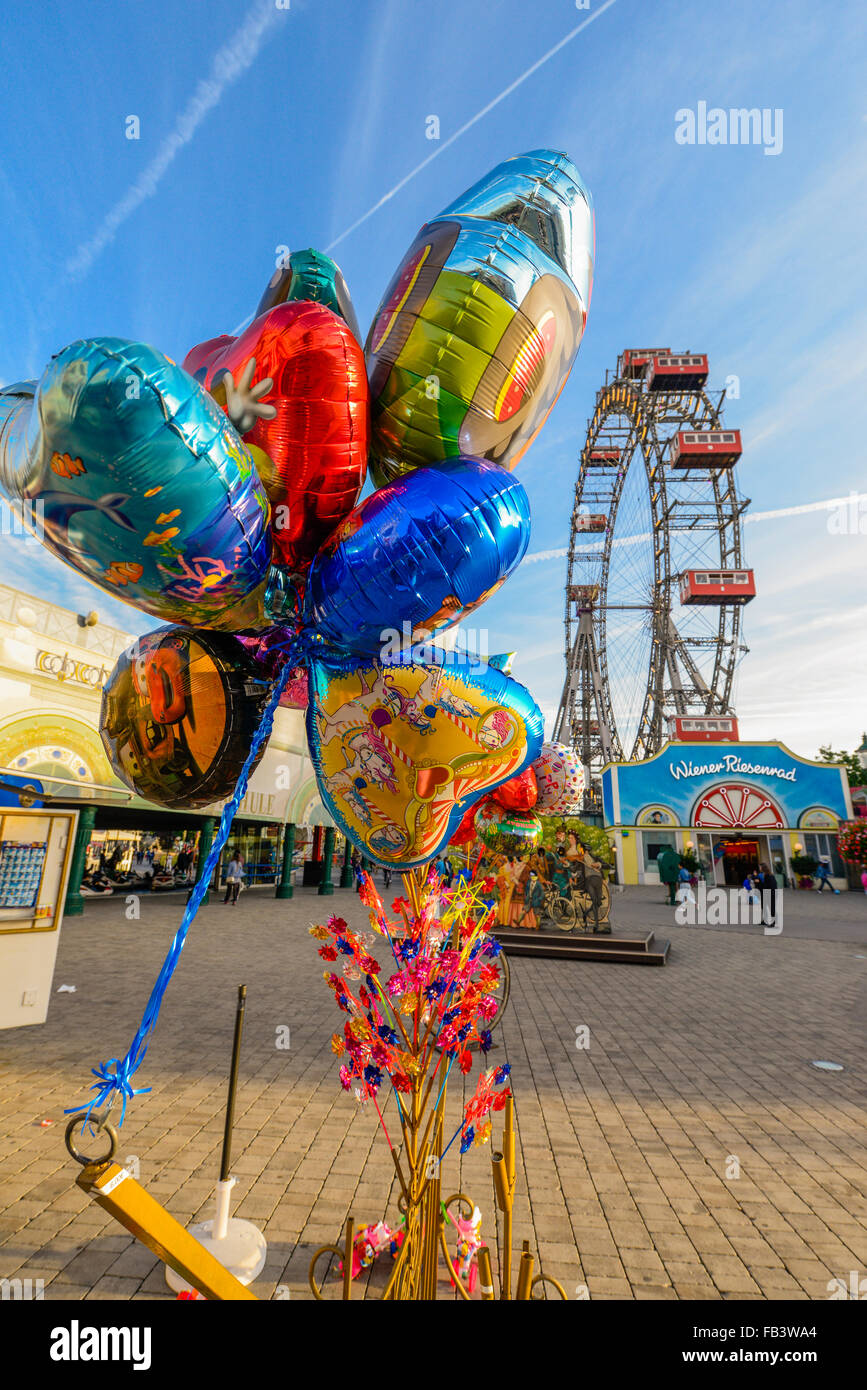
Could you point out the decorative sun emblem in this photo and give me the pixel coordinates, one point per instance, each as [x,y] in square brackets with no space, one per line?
[738,807]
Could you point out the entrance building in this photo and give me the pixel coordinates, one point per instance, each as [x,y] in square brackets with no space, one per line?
[733,806]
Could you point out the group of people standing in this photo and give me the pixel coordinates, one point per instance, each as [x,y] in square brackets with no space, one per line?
[764,883]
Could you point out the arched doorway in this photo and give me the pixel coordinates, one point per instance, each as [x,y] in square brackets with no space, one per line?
[737,823]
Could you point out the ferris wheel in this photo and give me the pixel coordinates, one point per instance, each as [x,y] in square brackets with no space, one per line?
[656,583]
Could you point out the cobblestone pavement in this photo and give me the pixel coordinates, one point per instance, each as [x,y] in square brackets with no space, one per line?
[690,1151]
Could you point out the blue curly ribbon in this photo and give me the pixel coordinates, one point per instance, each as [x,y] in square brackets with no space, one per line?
[118,1082]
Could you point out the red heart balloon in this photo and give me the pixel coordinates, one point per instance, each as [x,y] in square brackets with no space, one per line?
[316,445]
[519,793]
[466,831]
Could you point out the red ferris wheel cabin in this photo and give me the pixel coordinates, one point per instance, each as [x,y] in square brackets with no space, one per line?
[672,371]
[705,449]
[717,587]
[705,728]
[634,361]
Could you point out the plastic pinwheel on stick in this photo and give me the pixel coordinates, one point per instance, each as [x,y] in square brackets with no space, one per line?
[222,497]
[403,1033]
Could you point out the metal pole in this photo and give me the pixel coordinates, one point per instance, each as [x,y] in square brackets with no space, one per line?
[326,886]
[285,888]
[74,900]
[233,1085]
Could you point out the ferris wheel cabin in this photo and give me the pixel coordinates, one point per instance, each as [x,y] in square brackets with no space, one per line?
[717,587]
[591,521]
[705,449]
[634,362]
[670,371]
[717,728]
[583,596]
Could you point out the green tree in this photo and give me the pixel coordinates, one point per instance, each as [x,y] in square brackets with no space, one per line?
[593,836]
[854,771]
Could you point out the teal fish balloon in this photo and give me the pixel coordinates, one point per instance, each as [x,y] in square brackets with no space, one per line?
[131,474]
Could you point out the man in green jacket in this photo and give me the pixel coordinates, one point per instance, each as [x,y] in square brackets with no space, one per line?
[668,863]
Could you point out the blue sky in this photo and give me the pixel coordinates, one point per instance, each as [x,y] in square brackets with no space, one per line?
[263,126]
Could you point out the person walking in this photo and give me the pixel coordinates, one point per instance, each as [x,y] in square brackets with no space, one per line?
[234,874]
[668,863]
[684,892]
[355,861]
[823,874]
[768,889]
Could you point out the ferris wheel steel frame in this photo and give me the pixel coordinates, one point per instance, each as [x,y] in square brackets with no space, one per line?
[633,426]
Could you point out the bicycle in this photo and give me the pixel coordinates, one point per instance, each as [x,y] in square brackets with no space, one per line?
[573,905]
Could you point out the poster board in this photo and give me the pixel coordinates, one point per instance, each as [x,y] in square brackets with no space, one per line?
[35,853]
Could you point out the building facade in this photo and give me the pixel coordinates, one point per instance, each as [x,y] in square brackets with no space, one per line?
[732,805]
[53,665]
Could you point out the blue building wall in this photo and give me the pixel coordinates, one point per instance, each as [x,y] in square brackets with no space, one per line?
[681,773]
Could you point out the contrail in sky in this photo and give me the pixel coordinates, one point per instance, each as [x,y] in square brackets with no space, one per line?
[230,63]
[855,498]
[501,96]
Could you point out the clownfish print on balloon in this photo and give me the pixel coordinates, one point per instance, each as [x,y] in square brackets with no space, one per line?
[222,498]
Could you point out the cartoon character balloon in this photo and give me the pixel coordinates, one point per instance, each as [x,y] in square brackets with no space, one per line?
[178,714]
[308,428]
[477,332]
[401,750]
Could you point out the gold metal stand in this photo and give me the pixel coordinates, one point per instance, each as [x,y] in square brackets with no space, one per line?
[118,1193]
[415,1271]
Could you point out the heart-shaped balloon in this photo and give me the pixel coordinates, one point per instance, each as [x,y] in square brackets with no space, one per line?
[400,750]
[131,475]
[313,455]
[519,793]
[466,831]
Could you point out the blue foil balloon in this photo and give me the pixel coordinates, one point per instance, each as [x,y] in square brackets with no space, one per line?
[417,556]
[129,472]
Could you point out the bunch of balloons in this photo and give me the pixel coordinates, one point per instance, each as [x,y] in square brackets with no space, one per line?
[550,786]
[221,497]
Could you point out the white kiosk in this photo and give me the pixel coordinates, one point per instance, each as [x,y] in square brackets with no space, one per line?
[35,852]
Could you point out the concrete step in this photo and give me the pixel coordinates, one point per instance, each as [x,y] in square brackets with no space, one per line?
[637,949]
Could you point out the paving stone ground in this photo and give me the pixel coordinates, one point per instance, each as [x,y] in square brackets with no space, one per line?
[689,1152]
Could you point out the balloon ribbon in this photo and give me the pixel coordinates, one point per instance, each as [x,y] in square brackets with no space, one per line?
[114,1078]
